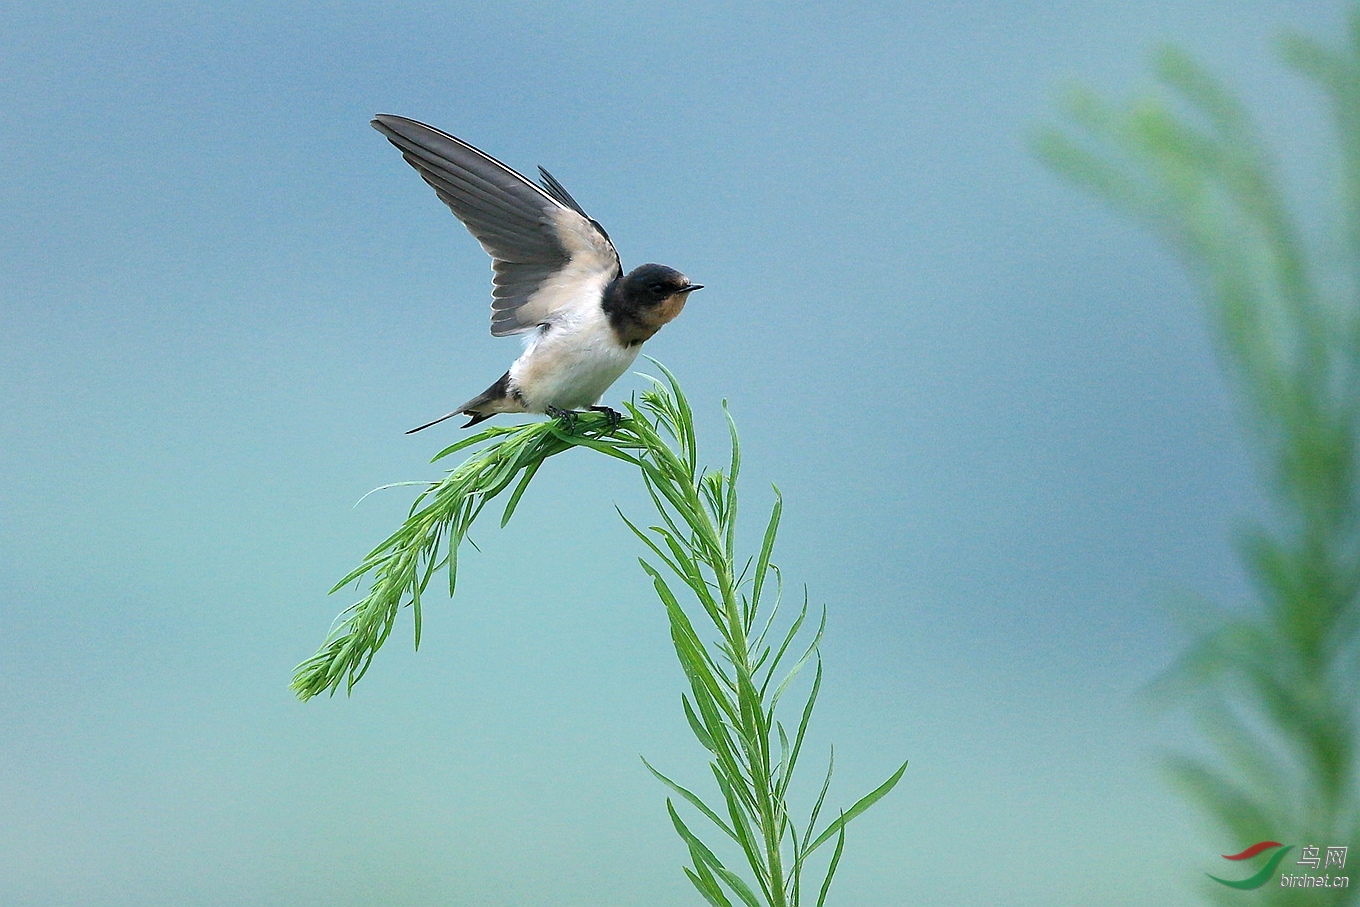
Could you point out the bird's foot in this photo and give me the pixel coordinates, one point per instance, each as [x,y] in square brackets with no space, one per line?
[568,416]
[615,417]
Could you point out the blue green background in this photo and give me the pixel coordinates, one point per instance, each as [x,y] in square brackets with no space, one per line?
[992,406]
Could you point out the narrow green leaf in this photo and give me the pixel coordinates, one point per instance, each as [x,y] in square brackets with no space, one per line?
[415,613]
[708,887]
[785,643]
[767,547]
[817,804]
[802,727]
[665,559]
[860,806]
[695,725]
[798,666]
[693,800]
[697,847]
[733,471]
[1178,69]
[529,472]
[743,812]
[835,861]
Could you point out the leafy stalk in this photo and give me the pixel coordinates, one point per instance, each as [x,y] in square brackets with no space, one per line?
[1276,684]
[737,673]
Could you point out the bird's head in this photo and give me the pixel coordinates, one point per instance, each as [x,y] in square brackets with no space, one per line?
[654,285]
[654,294]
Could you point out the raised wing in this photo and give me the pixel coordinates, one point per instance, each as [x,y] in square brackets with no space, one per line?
[547,254]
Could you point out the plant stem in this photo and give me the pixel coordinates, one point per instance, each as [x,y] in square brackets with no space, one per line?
[732,698]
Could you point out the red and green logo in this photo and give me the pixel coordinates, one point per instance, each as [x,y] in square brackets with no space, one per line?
[1265,872]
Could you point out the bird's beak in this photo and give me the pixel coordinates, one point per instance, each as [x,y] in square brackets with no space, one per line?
[692,287]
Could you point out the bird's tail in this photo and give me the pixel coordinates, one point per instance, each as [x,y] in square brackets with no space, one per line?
[483,406]
[476,417]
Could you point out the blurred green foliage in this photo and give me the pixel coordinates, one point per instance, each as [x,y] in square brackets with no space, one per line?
[1275,683]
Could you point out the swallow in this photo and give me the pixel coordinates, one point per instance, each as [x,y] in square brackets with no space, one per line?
[556,276]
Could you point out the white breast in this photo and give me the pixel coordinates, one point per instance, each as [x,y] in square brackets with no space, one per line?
[571,362]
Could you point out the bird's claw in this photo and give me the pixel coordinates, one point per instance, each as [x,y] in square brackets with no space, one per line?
[614,416]
[568,416]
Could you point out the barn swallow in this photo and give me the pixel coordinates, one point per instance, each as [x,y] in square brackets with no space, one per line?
[556,276]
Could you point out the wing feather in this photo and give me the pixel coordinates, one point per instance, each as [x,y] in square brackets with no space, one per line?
[547,253]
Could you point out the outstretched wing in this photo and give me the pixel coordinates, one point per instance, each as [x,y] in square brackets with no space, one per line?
[547,254]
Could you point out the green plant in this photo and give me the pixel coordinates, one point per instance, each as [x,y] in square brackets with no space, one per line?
[736,682]
[1275,686]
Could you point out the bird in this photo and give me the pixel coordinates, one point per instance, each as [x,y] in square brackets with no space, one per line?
[556,276]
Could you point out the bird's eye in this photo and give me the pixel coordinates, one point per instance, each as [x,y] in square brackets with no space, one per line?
[659,289]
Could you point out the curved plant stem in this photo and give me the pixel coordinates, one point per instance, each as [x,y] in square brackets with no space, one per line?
[736,681]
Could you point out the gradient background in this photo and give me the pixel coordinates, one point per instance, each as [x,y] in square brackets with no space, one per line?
[992,406]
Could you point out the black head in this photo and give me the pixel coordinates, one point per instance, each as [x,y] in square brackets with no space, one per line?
[650,296]
[655,284]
